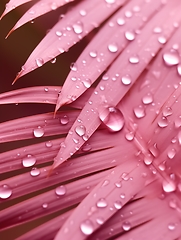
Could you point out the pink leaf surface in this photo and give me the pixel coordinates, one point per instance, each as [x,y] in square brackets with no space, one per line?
[98,55]
[138,54]
[68,31]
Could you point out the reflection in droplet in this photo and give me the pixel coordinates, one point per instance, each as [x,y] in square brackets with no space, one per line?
[93,54]
[5,191]
[171,226]
[171,153]
[44,205]
[28,161]
[87,227]
[113,118]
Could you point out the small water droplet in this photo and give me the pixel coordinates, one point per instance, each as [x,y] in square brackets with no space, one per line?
[60,191]
[139,111]
[100,220]
[169,186]
[118,184]
[130,35]
[39,62]
[48,144]
[120,21]
[35,172]
[157,30]
[73,67]
[78,27]
[134,59]
[64,120]
[28,161]
[118,204]
[44,205]
[179,69]
[83,12]
[126,80]
[113,118]
[87,227]
[162,39]
[38,132]
[80,130]
[101,203]
[58,33]
[126,226]
[171,226]
[129,136]
[53,6]
[128,14]
[5,191]
[125,176]
[93,54]
[87,82]
[163,122]
[113,47]
[53,60]
[86,147]
[148,159]
[147,99]
[171,58]
[171,153]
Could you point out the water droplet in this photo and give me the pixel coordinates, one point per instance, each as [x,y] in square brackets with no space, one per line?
[168,186]
[129,136]
[87,227]
[38,132]
[100,220]
[162,39]
[93,54]
[134,59]
[113,118]
[118,184]
[126,226]
[163,122]
[73,67]
[178,122]
[139,111]
[118,204]
[130,35]
[122,195]
[105,183]
[39,62]
[28,161]
[78,27]
[5,191]
[125,176]
[60,191]
[128,14]
[101,203]
[58,33]
[53,6]
[171,58]
[80,130]
[64,120]
[120,21]
[179,69]
[86,147]
[147,99]
[171,226]
[126,80]
[113,47]
[46,89]
[53,60]
[35,172]
[87,82]
[83,12]
[48,144]
[148,159]
[157,30]
[44,205]
[171,153]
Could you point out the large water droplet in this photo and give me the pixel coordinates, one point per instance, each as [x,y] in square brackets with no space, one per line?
[60,191]
[39,62]
[113,47]
[35,172]
[169,186]
[118,204]
[171,58]
[139,111]
[87,227]
[80,130]
[134,59]
[163,122]
[78,27]
[147,99]
[101,203]
[126,80]
[113,118]
[130,35]
[5,191]
[87,82]
[29,161]
[38,132]
[126,226]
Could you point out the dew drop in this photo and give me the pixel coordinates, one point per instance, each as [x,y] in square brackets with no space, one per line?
[53,6]
[35,172]
[93,54]
[157,30]
[162,40]
[86,147]
[5,191]
[171,226]
[167,112]
[129,136]
[126,226]
[163,122]
[60,191]
[169,186]
[38,132]
[48,144]
[148,159]
[101,203]
[118,204]
[179,69]
[171,58]
[100,220]
[110,1]
[83,12]
[64,120]
[39,62]
[147,99]
[129,35]
[87,227]
[28,161]
[44,205]
[80,130]
[53,60]
[171,153]
[128,14]
[126,80]
[113,47]
[87,82]
[134,59]
[120,21]
[113,118]
[78,27]
[58,33]
[178,122]
[139,111]
[73,67]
